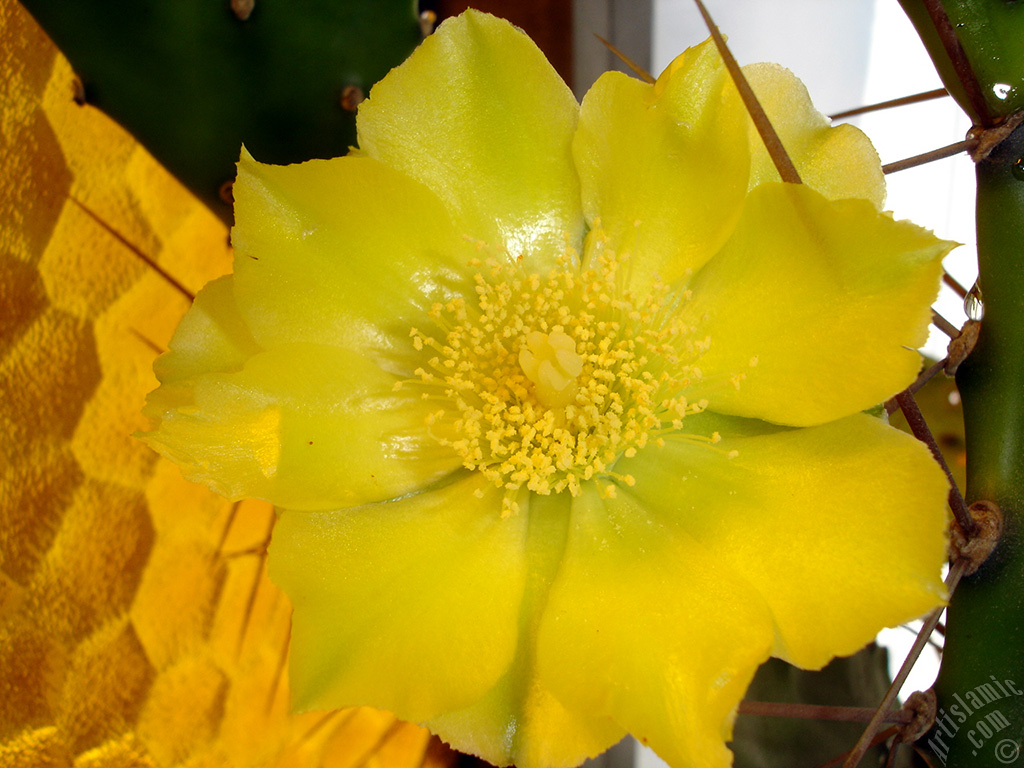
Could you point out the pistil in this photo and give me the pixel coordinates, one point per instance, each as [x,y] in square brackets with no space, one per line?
[550,361]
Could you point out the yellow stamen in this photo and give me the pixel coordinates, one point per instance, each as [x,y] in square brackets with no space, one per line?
[549,380]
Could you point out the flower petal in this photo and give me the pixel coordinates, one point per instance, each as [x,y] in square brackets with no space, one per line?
[392,607]
[303,426]
[817,306]
[839,162]
[519,721]
[840,527]
[526,726]
[664,166]
[479,116]
[642,625]
[346,252]
[212,336]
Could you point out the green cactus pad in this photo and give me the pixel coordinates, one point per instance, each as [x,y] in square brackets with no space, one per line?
[193,80]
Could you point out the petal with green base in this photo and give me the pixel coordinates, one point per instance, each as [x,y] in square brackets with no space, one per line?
[791,299]
[645,626]
[792,523]
[303,426]
[344,252]
[662,166]
[392,607]
[520,721]
[501,165]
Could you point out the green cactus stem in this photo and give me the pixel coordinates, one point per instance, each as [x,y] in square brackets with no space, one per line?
[193,80]
[978,49]
[982,674]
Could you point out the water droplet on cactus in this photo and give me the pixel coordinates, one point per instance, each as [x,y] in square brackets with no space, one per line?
[973,306]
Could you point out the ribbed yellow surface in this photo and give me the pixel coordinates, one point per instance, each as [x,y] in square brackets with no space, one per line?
[137,627]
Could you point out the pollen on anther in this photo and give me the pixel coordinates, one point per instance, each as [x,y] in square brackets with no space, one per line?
[621,366]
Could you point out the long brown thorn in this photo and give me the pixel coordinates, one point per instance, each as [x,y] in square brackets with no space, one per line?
[921,431]
[817,712]
[772,142]
[944,325]
[261,556]
[938,93]
[941,153]
[953,283]
[878,739]
[865,741]
[929,373]
[227,529]
[639,71]
[149,261]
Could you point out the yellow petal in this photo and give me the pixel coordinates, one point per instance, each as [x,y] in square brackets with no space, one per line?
[665,167]
[393,606]
[643,626]
[429,606]
[519,721]
[840,527]
[814,308]
[838,162]
[302,426]
[210,337]
[479,116]
[340,252]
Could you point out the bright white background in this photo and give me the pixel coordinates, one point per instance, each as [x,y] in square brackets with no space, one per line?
[850,53]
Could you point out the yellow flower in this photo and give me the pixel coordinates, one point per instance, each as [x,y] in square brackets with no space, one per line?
[561,404]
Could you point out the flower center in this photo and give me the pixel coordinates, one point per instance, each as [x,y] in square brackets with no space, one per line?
[545,382]
[550,361]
